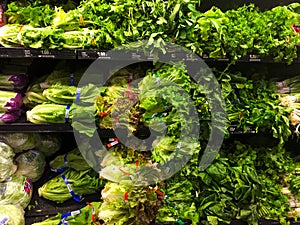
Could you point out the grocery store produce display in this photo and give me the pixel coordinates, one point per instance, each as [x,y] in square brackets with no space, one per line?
[244,182]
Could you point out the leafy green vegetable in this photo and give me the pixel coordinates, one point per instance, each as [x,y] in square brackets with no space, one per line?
[85,216]
[179,203]
[48,144]
[20,141]
[270,164]
[48,113]
[12,214]
[228,192]
[234,33]
[24,15]
[82,183]
[7,166]
[31,164]
[141,207]
[65,73]
[65,94]
[255,104]
[34,96]
[16,190]
[74,160]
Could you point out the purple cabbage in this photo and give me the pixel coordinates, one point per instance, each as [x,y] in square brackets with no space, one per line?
[10,101]
[15,103]
[10,117]
[15,82]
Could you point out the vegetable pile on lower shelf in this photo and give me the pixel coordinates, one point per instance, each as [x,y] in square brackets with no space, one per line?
[21,164]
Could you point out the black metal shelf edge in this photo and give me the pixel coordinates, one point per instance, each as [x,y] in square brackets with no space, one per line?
[51,127]
[29,127]
[37,53]
[136,55]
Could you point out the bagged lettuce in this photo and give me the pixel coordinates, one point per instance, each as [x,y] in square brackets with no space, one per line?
[82,183]
[7,166]
[82,216]
[31,164]
[48,144]
[16,190]
[11,215]
[20,141]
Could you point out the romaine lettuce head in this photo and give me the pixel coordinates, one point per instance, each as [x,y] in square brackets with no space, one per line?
[12,214]
[82,182]
[31,164]
[7,166]
[20,141]
[48,144]
[16,190]
[85,217]
[75,160]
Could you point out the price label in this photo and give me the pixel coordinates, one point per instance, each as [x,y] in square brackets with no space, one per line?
[102,54]
[232,129]
[223,59]
[254,58]
[45,54]
[205,56]
[135,56]
[27,53]
[150,57]
[85,55]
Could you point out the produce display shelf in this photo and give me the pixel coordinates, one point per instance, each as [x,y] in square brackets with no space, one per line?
[29,127]
[37,53]
[82,54]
